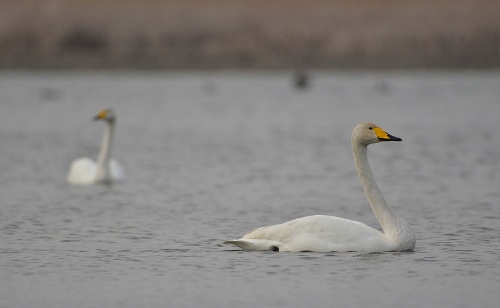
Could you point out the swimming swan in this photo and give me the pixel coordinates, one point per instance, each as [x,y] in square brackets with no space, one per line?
[86,171]
[322,233]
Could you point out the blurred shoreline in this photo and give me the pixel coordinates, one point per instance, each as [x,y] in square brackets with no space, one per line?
[225,34]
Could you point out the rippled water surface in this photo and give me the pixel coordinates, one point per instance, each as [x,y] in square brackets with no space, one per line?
[210,156]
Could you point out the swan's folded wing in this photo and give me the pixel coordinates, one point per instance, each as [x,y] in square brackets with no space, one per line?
[320,233]
[288,230]
[82,171]
[117,170]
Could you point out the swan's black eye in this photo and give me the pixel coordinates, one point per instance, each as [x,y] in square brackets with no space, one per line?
[370,128]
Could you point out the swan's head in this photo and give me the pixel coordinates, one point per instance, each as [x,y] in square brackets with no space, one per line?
[367,133]
[105,115]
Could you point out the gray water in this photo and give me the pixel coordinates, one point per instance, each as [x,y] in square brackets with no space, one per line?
[210,156]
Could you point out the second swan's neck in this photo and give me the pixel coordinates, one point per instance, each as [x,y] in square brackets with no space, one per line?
[382,212]
[103,174]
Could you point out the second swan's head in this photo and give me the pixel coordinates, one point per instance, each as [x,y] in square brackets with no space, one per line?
[367,133]
[105,115]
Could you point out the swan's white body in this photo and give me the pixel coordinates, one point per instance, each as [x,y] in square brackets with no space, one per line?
[322,233]
[85,171]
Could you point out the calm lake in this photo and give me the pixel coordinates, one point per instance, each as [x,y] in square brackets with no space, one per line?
[212,155]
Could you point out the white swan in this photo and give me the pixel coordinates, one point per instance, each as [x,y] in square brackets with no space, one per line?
[86,171]
[322,233]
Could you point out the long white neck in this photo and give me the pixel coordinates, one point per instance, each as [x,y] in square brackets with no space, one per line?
[383,213]
[103,174]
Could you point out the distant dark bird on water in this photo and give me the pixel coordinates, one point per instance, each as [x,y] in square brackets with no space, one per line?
[301,80]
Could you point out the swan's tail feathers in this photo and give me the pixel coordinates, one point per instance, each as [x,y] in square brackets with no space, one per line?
[256,244]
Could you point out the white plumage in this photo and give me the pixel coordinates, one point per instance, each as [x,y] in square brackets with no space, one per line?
[323,233]
[106,170]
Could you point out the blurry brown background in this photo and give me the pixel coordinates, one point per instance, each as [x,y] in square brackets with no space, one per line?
[198,34]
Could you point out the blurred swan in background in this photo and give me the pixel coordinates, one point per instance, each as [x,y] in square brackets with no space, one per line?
[86,171]
[322,233]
